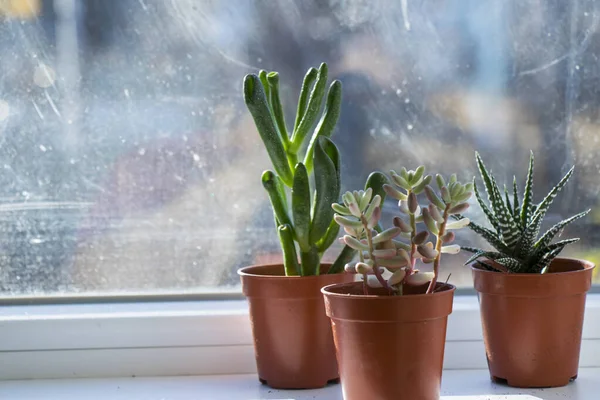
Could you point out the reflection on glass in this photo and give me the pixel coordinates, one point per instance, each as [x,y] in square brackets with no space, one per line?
[130,163]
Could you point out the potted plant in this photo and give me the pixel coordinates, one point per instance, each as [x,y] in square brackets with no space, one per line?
[390,329]
[532,303]
[292,335]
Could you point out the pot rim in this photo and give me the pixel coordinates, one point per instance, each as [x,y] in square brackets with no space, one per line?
[587,265]
[325,291]
[243,272]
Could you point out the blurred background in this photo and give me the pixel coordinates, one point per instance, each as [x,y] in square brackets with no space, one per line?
[129,164]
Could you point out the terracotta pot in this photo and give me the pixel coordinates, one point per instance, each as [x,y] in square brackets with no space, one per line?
[389,347]
[292,335]
[532,323]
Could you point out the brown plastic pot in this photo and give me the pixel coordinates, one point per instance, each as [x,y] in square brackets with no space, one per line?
[532,323]
[389,347]
[292,335]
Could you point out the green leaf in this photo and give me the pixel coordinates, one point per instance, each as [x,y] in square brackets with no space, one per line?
[262,75]
[327,240]
[301,206]
[327,188]
[312,110]
[552,232]
[256,101]
[516,203]
[328,121]
[290,258]
[541,209]
[492,255]
[434,198]
[307,84]
[274,188]
[486,210]
[490,237]
[310,261]
[527,207]
[345,256]
[510,263]
[276,108]
[510,230]
[376,181]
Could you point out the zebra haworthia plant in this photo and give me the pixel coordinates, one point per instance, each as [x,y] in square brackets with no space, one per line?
[311,226]
[516,226]
[387,262]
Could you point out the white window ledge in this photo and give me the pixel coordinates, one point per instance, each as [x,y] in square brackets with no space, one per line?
[457,385]
[188,338]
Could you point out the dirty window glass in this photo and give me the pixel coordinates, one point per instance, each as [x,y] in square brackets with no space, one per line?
[129,163]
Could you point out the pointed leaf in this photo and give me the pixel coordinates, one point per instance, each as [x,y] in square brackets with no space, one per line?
[552,232]
[527,207]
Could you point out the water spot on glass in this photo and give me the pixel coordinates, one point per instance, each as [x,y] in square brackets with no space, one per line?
[142,151]
[398,92]
[43,148]
[4,110]
[407,100]
[409,127]
[577,67]
[44,76]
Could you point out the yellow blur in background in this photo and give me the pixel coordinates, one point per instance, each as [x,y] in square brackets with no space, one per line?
[22,9]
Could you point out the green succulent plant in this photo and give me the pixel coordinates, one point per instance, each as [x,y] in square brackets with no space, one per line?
[302,206]
[387,262]
[516,226]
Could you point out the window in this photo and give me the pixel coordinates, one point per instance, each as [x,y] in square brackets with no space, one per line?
[130,165]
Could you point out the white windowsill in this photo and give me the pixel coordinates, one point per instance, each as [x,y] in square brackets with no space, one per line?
[457,385]
[188,338]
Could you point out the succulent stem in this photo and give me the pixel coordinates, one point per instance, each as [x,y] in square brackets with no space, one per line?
[438,247]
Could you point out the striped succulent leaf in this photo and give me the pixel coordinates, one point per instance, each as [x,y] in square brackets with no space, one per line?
[516,225]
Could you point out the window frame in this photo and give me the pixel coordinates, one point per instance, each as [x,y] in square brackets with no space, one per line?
[195,337]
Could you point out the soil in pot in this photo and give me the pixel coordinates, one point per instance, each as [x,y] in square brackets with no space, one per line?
[389,347]
[532,323]
[292,334]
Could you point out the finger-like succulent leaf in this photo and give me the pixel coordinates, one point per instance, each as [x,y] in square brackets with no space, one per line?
[301,206]
[448,237]
[430,222]
[395,193]
[420,237]
[340,209]
[307,84]
[421,185]
[434,198]
[276,108]
[385,253]
[312,110]
[327,188]
[412,203]
[400,181]
[400,223]
[461,223]
[459,208]
[290,258]
[452,249]
[440,181]
[256,101]
[328,120]
[273,185]
[420,278]
[387,235]
[427,251]
[327,240]
[397,277]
